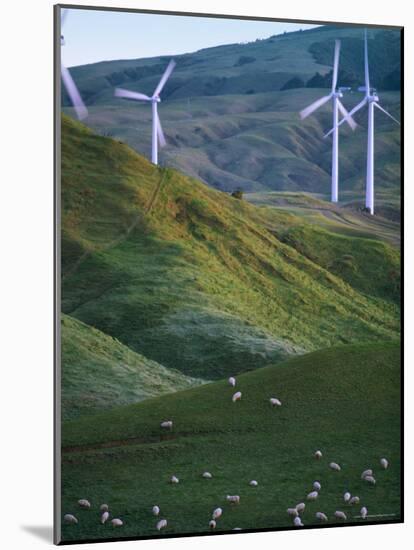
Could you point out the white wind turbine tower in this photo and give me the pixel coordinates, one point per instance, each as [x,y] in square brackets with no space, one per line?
[157,132]
[371,99]
[70,85]
[335,96]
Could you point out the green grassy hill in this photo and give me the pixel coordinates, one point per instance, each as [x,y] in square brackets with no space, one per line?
[99,373]
[199,281]
[230,123]
[344,401]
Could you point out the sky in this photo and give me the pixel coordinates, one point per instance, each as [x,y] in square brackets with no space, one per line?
[92,35]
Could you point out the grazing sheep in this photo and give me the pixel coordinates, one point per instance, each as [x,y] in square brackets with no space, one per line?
[313,495]
[232,381]
[275,402]
[212,524]
[318,455]
[317,486]
[236,396]
[167,424]
[116,522]
[104,508]
[340,515]
[334,466]
[236,529]
[156,510]
[174,479]
[69,518]
[161,524]
[292,512]
[207,475]
[233,499]
[83,503]
[354,500]
[300,507]
[321,516]
[347,496]
[364,512]
[253,483]
[370,479]
[217,513]
[366,473]
[104,517]
[384,463]
[297,522]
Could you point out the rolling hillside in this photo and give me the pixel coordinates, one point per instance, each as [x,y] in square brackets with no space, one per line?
[199,281]
[343,401]
[231,123]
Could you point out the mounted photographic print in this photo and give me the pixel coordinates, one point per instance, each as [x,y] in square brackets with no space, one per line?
[228,274]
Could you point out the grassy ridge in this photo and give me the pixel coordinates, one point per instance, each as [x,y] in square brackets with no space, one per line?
[230,295]
[343,400]
[99,373]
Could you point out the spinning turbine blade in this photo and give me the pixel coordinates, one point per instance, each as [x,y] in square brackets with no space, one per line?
[160,133]
[345,114]
[63,16]
[378,106]
[127,94]
[336,63]
[350,114]
[367,83]
[164,78]
[73,93]
[315,105]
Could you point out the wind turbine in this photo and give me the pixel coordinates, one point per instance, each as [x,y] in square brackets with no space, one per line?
[335,95]
[69,83]
[371,99]
[157,132]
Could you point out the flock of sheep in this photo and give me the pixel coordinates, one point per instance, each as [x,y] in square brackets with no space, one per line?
[294,512]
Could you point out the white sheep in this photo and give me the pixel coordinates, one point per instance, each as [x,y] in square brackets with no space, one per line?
[236,396]
[340,515]
[300,507]
[334,466]
[297,522]
[313,495]
[318,455]
[174,479]
[354,500]
[236,529]
[83,503]
[104,517]
[292,512]
[212,524]
[370,479]
[366,473]
[116,522]
[69,518]
[233,499]
[167,424]
[161,524]
[253,483]
[104,508]
[347,496]
[321,516]
[217,513]
[232,381]
[317,486]
[364,512]
[275,402]
[206,475]
[384,463]
[156,510]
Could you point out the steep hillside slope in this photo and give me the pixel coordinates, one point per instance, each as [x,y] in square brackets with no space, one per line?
[99,373]
[192,278]
[343,401]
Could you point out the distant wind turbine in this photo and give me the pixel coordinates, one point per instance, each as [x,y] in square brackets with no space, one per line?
[371,99]
[335,96]
[71,89]
[157,132]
